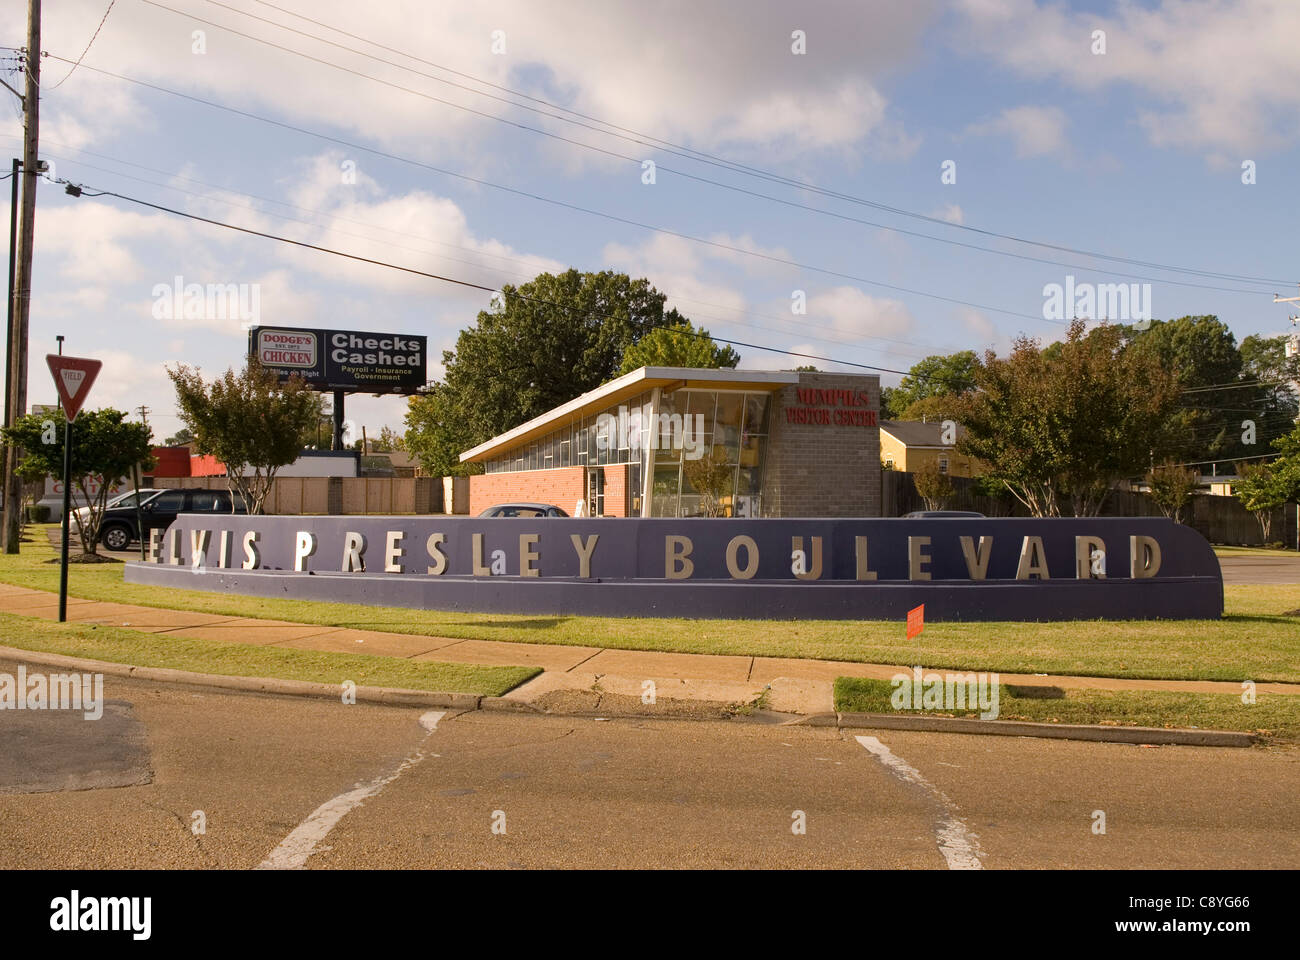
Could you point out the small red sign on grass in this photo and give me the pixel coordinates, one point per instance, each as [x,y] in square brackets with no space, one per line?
[915,621]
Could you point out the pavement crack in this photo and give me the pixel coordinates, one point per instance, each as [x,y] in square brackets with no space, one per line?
[186,827]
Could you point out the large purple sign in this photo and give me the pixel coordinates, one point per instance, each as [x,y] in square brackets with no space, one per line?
[961,569]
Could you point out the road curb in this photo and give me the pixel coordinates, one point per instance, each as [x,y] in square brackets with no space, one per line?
[467,701]
[1024,728]
[294,688]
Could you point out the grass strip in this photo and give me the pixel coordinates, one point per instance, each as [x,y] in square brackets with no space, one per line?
[1272,715]
[119,645]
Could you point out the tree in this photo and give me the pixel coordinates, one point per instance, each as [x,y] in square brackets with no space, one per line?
[105,447]
[1271,402]
[934,486]
[436,433]
[1172,487]
[387,441]
[681,345]
[319,434]
[1202,353]
[1262,488]
[1059,426]
[540,345]
[937,375]
[250,421]
[179,438]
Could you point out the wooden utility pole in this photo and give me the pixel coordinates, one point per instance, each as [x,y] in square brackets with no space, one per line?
[16,401]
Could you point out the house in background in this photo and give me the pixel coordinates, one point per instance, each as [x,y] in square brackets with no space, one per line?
[908,445]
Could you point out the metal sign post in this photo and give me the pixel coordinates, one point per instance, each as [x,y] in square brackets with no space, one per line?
[73,377]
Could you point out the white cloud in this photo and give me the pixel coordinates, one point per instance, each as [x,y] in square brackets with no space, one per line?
[679,269]
[850,310]
[1035,131]
[676,70]
[1221,74]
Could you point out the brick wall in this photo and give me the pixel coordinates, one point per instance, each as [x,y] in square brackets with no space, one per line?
[823,469]
[562,487]
[616,490]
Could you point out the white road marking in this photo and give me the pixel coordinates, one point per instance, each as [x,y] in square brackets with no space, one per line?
[959,846]
[295,849]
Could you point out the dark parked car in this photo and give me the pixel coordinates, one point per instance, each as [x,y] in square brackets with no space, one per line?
[119,529]
[523,510]
[941,515]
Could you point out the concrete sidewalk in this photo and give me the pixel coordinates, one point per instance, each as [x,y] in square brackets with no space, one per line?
[792,686]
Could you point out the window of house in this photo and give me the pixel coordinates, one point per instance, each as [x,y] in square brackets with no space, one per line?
[943,464]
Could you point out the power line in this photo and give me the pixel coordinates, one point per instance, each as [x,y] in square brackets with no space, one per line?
[679,149]
[659,167]
[95,192]
[88,46]
[572,206]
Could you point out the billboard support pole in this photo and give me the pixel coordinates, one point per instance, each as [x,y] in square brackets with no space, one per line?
[338,419]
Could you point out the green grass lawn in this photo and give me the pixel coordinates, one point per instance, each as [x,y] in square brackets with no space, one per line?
[1275,715]
[119,645]
[1256,639]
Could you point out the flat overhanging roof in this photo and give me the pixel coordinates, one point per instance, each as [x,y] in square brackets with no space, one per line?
[629,385]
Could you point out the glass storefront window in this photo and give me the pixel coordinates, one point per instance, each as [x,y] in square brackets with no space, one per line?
[725,430]
[663,501]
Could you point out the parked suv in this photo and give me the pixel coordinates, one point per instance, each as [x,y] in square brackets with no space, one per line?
[119,530]
[124,500]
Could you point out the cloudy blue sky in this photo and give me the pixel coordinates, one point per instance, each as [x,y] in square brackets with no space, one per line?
[393,138]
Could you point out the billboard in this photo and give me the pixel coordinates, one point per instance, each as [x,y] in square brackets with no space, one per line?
[352,360]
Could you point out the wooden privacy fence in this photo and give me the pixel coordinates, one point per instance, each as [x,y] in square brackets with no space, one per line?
[1218,519]
[335,495]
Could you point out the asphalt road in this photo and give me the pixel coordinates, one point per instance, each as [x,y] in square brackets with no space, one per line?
[1283,568]
[295,782]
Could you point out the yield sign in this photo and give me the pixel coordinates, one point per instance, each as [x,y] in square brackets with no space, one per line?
[73,377]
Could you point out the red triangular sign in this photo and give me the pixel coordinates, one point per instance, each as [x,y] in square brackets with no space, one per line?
[73,377]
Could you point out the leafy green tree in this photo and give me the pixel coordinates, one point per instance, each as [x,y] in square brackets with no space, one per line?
[1271,401]
[1263,487]
[681,345]
[1172,487]
[938,375]
[933,486]
[540,345]
[179,438]
[436,433]
[250,421]
[105,447]
[319,433]
[1060,426]
[387,441]
[1202,353]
